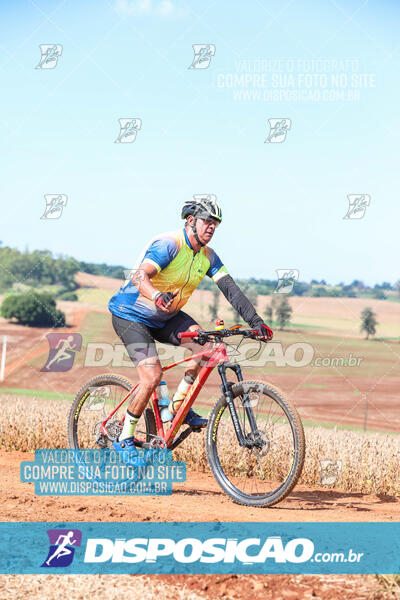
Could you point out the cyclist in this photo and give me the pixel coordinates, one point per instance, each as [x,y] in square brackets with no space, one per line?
[148,306]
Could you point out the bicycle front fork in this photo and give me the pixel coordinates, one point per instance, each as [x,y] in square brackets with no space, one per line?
[227,391]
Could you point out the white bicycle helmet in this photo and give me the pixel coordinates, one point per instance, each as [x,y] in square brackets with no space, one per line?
[203,207]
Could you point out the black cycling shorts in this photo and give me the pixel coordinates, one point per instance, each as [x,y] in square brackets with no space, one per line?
[138,338]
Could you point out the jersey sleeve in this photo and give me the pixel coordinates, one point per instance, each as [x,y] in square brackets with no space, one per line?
[217,269]
[161,252]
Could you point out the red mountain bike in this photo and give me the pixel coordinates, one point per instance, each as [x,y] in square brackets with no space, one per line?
[254,438]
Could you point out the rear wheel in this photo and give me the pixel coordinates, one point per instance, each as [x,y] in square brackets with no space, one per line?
[93,403]
[264,471]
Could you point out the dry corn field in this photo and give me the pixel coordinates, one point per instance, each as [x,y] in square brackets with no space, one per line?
[369,463]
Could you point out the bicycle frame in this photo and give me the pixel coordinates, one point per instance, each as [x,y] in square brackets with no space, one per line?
[213,357]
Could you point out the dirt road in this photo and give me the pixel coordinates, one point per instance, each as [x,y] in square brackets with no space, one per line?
[193,587]
[198,499]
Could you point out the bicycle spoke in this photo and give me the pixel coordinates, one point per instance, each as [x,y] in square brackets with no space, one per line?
[99,403]
[256,472]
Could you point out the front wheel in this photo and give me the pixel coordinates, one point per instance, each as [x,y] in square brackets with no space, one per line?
[268,466]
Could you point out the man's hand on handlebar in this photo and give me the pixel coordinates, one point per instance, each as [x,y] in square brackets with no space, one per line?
[264,332]
[163,301]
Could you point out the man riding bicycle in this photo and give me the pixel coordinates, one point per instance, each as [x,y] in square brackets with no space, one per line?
[148,306]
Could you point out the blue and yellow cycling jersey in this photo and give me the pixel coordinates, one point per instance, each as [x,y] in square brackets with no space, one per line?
[177,267]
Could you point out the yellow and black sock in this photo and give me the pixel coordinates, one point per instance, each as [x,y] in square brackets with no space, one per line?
[129,425]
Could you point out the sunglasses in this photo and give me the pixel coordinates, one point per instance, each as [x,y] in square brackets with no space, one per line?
[211,222]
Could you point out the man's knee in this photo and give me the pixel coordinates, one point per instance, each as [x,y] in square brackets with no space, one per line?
[150,378]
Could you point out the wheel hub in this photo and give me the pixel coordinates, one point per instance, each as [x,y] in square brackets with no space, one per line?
[258,441]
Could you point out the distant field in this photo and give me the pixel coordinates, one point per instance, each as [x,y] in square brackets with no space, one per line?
[97,297]
[336,394]
[340,316]
[97,281]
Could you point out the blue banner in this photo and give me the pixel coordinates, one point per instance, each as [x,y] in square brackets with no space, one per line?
[196,548]
[102,472]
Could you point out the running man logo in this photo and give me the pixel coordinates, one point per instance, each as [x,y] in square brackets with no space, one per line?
[286,280]
[330,471]
[62,351]
[62,547]
[134,276]
[357,205]
[54,206]
[203,54]
[50,54]
[208,197]
[128,130]
[98,397]
[278,129]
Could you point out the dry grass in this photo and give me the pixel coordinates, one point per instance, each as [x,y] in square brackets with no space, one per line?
[370,462]
[390,582]
[30,423]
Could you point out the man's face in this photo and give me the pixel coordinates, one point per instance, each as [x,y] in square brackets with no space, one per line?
[205,228]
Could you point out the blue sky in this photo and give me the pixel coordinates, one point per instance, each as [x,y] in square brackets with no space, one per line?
[283,203]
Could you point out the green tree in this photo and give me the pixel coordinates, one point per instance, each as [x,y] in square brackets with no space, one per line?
[270,308]
[33,309]
[269,313]
[319,292]
[65,271]
[301,288]
[368,322]
[358,284]
[334,293]
[36,268]
[213,307]
[283,312]
[71,296]
[379,294]
[8,256]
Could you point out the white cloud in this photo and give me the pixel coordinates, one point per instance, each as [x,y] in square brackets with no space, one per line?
[162,8]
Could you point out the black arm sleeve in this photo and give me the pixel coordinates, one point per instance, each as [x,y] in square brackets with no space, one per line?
[239,301]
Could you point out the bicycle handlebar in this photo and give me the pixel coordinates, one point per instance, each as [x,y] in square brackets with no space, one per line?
[218,333]
[188,334]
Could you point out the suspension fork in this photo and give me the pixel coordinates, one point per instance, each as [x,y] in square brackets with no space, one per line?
[226,388]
